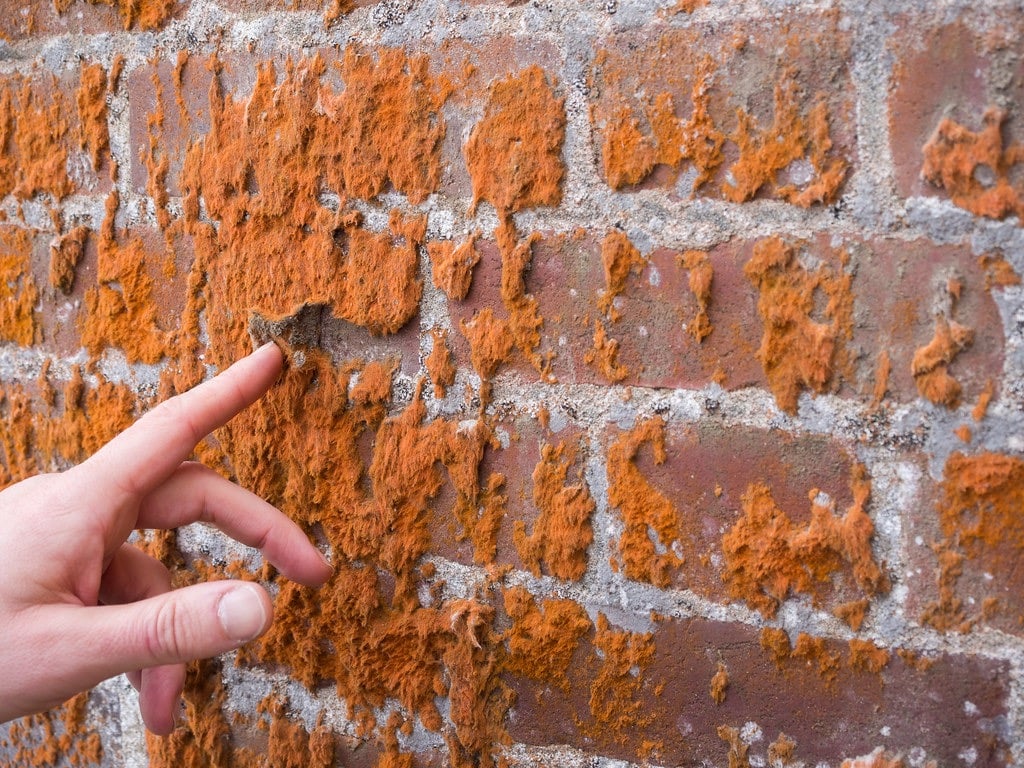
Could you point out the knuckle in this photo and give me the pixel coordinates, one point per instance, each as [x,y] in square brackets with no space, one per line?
[163,633]
[171,413]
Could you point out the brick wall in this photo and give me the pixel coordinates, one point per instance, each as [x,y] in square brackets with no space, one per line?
[656,370]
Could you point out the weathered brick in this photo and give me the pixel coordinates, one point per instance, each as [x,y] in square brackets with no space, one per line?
[531,502]
[657,314]
[955,72]
[473,68]
[706,110]
[902,290]
[678,507]
[965,548]
[943,706]
[653,318]
[170,106]
[41,18]
[46,150]
[466,71]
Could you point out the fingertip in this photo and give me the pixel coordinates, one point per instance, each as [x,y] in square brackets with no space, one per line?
[326,570]
[160,697]
[312,569]
[159,725]
[271,351]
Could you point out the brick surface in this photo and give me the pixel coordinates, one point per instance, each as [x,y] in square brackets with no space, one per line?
[39,18]
[706,472]
[952,706]
[732,68]
[953,71]
[657,308]
[516,455]
[44,152]
[965,550]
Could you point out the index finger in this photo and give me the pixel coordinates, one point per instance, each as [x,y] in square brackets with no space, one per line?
[150,450]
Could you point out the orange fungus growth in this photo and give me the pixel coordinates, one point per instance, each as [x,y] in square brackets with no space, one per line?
[629,155]
[798,351]
[490,342]
[767,555]
[701,275]
[604,355]
[648,515]
[719,684]
[616,694]
[439,362]
[562,532]
[514,154]
[543,637]
[931,362]
[452,265]
[525,320]
[121,310]
[18,292]
[65,254]
[867,657]
[973,167]
[94,135]
[33,140]
[792,137]
[620,258]
[979,517]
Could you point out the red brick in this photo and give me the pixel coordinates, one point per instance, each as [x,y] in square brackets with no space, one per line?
[707,470]
[898,286]
[566,277]
[657,310]
[39,18]
[472,69]
[900,708]
[63,316]
[960,578]
[186,108]
[522,440]
[179,127]
[469,69]
[35,99]
[953,71]
[746,61]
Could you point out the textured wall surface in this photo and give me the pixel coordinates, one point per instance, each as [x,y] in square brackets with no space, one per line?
[655,374]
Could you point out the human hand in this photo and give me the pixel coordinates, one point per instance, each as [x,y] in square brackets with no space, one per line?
[79,605]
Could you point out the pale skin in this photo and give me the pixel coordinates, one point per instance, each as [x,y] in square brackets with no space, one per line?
[79,605]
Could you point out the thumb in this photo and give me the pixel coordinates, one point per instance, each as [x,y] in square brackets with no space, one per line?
[195,622]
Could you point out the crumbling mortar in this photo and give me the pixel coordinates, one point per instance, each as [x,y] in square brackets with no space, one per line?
[873,199]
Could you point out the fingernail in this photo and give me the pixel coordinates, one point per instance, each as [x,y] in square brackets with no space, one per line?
[326,561]
[242,614]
